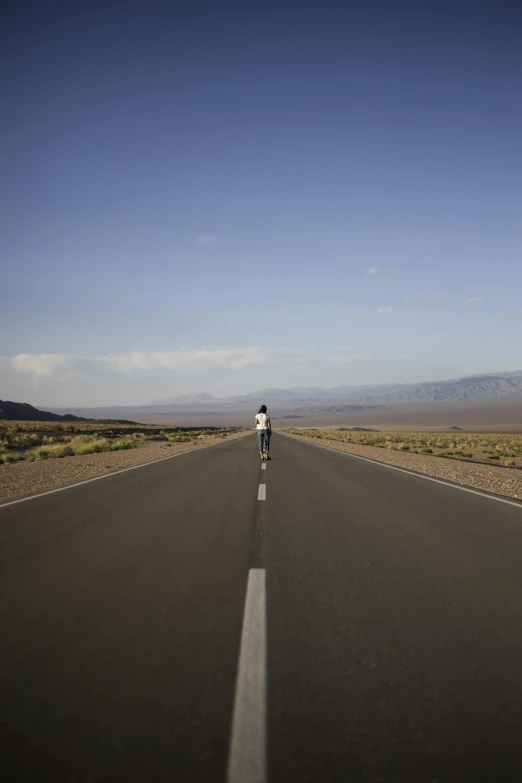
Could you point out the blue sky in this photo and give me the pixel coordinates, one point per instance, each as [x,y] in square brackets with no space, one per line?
[222,198]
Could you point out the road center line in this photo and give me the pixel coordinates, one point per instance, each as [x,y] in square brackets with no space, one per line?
[261,495]
[263,466]
[247,758]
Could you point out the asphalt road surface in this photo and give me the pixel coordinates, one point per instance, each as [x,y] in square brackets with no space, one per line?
[393,618]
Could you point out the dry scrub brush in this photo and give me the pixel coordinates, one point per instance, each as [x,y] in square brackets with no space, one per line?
[37,440]
[476,446]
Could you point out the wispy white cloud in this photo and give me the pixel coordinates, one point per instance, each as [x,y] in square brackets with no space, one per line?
[181,361]
[474,299]
[386,310]
[208,240]
[376,271]
[37,364]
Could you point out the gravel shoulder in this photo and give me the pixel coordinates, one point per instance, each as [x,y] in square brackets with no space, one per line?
[23,479]
[495,479]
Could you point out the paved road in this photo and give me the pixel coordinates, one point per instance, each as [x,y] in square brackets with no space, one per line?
[393,605]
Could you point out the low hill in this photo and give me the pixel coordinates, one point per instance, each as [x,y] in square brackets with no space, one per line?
[22,411]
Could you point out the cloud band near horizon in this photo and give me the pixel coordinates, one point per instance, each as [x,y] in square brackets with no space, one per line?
[137,377]
[181,361]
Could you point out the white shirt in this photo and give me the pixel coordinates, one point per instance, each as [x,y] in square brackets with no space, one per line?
[262,421]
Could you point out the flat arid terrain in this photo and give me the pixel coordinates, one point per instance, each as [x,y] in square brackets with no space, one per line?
[497,415]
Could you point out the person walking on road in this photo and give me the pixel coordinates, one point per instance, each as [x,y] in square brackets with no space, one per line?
[264,430]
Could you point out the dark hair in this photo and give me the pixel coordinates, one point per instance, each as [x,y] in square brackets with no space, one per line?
[262,409]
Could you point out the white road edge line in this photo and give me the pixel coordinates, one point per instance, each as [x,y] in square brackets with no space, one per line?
[107,475]
[413,473]
[263,466]
[261,495]
[247,755]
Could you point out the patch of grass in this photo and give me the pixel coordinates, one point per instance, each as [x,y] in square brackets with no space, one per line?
[61,451]
[92,447]
[11,457]
[52,452]
[39,453]
[120,445]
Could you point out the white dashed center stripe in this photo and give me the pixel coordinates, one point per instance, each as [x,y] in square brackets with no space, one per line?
[247,759]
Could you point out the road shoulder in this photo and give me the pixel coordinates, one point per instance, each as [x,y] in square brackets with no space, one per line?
[506,482]
[26,479]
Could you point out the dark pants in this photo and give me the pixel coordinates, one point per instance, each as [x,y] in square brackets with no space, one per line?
[264,440]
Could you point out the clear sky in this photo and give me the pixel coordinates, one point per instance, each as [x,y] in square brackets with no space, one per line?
[221,197]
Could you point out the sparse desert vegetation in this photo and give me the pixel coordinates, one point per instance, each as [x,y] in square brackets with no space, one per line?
[504,449]
[40,457]
[31,441]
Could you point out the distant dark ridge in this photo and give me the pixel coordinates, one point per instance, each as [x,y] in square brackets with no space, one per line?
[355,429]
[22,411]
[111,421]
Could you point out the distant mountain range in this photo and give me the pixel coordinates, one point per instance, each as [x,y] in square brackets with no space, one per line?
[480,387]
[301,401]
